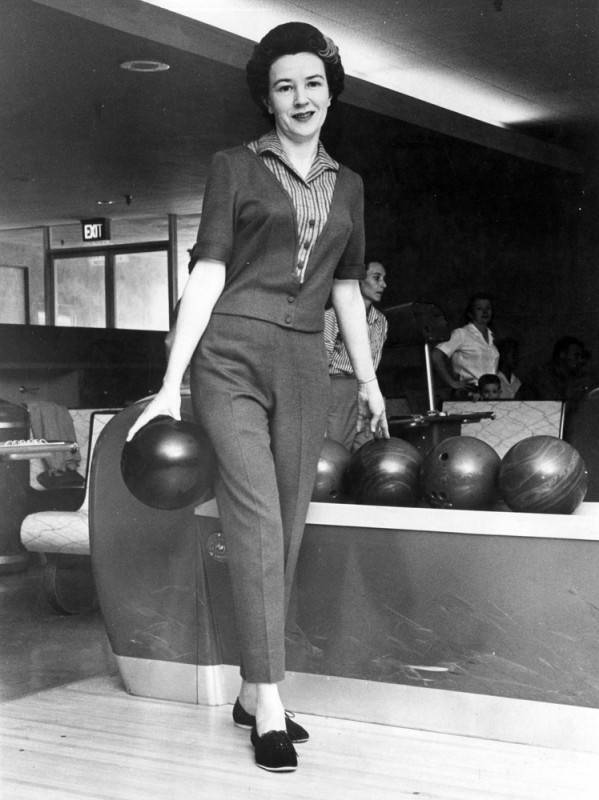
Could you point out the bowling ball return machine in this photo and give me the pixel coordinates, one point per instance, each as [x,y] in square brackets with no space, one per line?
[424,324]
[397,612]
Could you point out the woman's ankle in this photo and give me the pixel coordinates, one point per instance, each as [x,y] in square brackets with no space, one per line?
[248,697]
[270,712]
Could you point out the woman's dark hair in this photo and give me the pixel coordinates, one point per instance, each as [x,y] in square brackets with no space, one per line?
[289,39]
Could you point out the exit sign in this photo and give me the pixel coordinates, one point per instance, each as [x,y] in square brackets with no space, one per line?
[94,230]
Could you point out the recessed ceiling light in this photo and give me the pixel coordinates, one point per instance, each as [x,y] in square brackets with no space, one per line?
[145,65]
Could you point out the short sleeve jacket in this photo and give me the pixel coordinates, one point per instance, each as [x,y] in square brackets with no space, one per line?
[249,223]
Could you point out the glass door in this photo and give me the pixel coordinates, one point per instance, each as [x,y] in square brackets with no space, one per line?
[80,291]
[141,299]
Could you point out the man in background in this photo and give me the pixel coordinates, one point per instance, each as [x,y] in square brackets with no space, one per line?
[566,377]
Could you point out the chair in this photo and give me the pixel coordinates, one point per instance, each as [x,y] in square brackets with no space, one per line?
[62,537]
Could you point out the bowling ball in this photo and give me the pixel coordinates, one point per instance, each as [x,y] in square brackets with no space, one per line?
[384,472]
[543,474]
[461,472]
[333,461]
[168,464]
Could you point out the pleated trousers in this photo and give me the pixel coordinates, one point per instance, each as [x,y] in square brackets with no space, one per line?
[261,393]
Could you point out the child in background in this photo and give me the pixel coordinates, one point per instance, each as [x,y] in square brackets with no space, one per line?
[489,387]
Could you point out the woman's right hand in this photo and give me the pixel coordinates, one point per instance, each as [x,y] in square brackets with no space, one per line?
[166,403]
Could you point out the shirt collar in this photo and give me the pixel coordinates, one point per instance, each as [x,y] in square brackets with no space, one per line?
[374,315]
[476,332]
[270,143]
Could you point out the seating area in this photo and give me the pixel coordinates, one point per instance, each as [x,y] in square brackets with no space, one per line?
[61,537]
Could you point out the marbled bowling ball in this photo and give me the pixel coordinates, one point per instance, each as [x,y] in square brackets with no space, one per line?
[543,474]
[333,461]
[168,464]
[384,472]
[461,472]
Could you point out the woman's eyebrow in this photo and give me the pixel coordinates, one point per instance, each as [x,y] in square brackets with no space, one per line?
[307,78]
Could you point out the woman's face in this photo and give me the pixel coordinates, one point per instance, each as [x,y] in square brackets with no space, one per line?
[298,96]
[481,311]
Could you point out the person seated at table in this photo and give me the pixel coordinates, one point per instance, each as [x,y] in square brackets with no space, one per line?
[470,350]
[489,387]
[565,377]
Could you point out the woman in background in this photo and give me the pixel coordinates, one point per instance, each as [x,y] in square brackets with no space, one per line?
[282,228]
[470,350]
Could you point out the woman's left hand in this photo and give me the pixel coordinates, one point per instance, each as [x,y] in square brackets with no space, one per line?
[371,410]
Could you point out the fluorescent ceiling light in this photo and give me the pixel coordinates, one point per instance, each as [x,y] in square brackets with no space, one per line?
[144,65]
[367,56]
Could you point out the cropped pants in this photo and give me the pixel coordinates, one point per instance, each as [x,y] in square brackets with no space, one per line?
[261,393]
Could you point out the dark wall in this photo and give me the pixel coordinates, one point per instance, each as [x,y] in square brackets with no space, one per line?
[585,277]
[448,218]
[110,367]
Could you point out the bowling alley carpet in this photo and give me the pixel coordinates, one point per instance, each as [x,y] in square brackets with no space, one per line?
[69,731]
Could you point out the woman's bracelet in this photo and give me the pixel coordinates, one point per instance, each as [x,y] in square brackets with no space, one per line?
[363,383]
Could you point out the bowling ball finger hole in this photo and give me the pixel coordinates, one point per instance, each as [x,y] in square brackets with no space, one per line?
[444,457]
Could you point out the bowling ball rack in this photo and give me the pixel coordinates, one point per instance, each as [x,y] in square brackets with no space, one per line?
[425,431]
[26,449]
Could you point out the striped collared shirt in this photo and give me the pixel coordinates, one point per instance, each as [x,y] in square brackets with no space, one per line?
[311,197]
[339,363]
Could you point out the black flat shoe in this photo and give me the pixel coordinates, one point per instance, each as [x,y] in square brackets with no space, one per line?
[242,719]
[274,751]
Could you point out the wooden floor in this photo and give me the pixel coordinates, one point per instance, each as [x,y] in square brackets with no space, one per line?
[89,739]
[69,731]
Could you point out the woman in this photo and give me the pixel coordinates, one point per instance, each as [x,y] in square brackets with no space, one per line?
[470,350]
[282,228]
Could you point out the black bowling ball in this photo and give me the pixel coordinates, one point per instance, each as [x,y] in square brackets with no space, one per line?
[384,472]
[168,464]
[461,472]
[333,461]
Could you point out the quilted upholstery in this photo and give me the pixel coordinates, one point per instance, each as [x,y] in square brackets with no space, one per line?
[514,420]
[56,532]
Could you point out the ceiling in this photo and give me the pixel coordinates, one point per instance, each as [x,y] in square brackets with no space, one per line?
[77,129]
